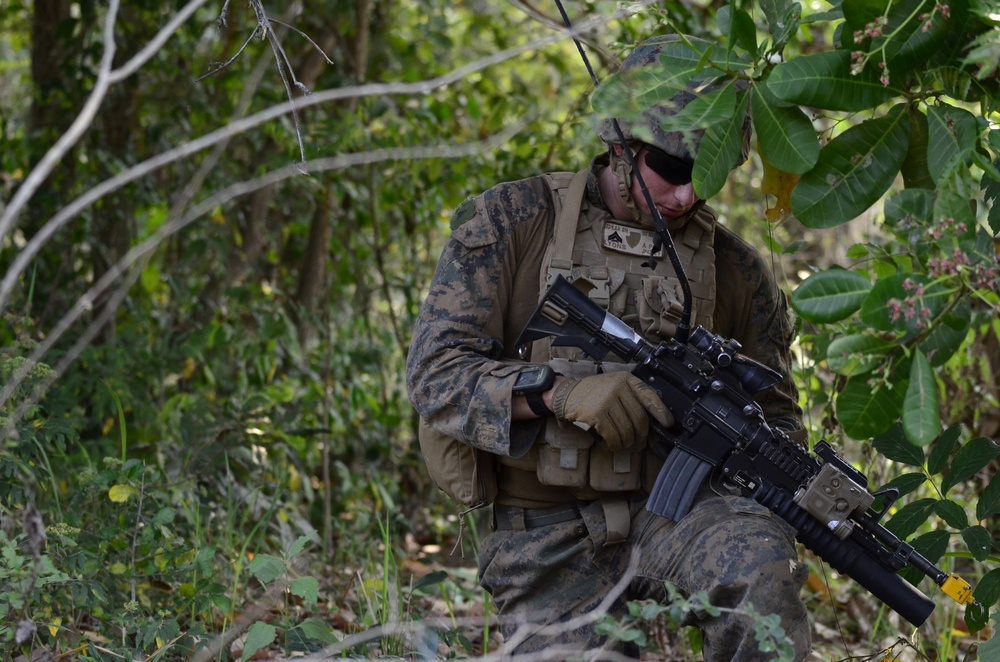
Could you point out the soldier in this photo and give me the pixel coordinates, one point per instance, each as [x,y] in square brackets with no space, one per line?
[558,442]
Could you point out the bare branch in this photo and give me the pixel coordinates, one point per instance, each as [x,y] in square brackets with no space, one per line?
[137,171]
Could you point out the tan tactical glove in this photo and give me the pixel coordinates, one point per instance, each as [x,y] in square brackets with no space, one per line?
[617,405]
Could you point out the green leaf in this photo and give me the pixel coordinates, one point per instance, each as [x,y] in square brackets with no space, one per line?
[830,296]
[947,334]
[932,546]
[988,591]
[299,544]
[864,411]
[989,500]
[306,588]
[122,493]
[910,205]
[893,445]
[783,18]
[906,483]
[785,135]
[719,151]
[952,513]
[991,191]
[266,568]
[977,539]
[317,630]
[854,170]
[942,448]
[739,28]
[258,636]
[430,579]
[921,418]
[856,354]
[824,80]
[164,516]
[952,136]
[916,174]
[877,309]
[909,518]
[969,459]
[704,111]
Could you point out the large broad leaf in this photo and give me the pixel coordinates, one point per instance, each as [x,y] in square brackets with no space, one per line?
[738,27]
[259,636]
[628,94]
[952,513]
[719,151]
[865,410]
[830,296]
[921,419]
[905,483]
[893,445]
[916,174]
[704,111]
[913,205]
[969,460]
[854,170]
[856,354]
[783,18]
[824,80]
[952,137]
[785,136]
[932,546]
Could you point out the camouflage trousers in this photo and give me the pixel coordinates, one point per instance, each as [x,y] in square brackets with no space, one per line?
[730,547]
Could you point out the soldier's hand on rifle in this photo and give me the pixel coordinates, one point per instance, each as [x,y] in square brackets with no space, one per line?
[616,405]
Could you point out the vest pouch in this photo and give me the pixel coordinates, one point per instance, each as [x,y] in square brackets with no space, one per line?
[466,474]
[614,472]
[660,304]
[564,456]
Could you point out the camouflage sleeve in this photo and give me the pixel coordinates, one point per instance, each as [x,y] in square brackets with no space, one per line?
[460,368]
[756,315]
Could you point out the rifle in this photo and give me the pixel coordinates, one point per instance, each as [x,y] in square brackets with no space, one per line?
[708,387]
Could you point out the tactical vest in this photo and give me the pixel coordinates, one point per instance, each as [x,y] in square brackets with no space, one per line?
[588,245]
[608,256]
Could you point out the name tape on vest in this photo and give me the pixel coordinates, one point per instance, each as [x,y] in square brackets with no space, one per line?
[629,240]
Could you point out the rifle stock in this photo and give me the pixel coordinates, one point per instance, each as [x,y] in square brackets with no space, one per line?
[708,387]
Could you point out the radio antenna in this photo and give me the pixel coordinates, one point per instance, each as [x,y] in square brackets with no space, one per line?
[663,239]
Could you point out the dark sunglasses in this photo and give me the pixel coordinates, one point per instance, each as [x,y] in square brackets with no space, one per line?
[675,170]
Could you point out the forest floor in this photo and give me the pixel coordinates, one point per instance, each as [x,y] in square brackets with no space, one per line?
[443,614]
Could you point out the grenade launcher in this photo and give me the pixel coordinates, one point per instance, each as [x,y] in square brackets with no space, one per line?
[708,387]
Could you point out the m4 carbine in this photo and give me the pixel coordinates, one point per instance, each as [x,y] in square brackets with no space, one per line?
[708,387]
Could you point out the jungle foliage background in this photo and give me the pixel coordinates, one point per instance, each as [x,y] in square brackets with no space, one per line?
[216,226]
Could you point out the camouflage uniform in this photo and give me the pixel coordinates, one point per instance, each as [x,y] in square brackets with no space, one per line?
[546,561]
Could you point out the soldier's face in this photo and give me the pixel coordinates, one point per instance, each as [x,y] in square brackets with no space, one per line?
[672,200]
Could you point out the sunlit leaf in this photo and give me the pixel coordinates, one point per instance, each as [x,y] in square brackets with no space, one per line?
[780,184]
[921,420]
[122,493]
[830,296]
[854,170]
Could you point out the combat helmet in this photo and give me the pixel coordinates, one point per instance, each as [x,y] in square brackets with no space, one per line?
[682,145]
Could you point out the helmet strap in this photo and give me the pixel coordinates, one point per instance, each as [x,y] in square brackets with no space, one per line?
[621,165]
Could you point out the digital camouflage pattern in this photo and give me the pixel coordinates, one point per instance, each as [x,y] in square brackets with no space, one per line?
[729,547]
[461,367]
